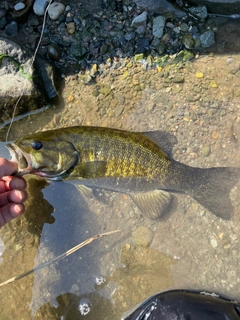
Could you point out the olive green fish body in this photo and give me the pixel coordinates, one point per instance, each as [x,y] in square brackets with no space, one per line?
[123,161]
[118,156]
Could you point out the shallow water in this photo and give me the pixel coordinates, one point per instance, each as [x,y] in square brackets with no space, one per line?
[191,249]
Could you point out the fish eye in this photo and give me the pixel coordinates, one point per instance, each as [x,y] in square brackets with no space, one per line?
[37,145]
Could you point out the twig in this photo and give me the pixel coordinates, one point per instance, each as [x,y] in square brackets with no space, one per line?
[63,255]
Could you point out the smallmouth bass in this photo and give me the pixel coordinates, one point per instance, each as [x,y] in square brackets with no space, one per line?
[122,161]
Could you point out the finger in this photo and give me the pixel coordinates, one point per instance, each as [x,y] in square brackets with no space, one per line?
[3,187]
[7,167]
[9,212]
[15,196]
[14,183]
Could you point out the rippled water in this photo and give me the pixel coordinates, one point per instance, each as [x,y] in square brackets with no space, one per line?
[191,249]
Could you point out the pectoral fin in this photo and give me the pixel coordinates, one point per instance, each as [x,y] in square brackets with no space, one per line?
[154,204]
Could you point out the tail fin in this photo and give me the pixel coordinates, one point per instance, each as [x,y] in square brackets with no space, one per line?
[211,189]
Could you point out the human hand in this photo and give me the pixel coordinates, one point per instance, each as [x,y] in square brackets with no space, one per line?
[12,192]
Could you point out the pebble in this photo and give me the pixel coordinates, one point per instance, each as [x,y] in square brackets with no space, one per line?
[213,84]
[71,27]
[188,41]
[199,11]
[19,6]
[139,23]
[207,39]
[199,75]
[178,79]
[214,243]
[104,49]
[53,52]
[11,29]
[206,151]
[158,26]
[142,236]
[40,6]
[55,10]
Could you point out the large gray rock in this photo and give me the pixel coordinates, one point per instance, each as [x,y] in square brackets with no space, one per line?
[18,77]
[226,7]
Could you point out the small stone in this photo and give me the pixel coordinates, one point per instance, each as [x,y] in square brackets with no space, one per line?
[142,236]
[71,27]
[188,41]
[213,84]
[166,37]
[125,75]
[11,29]
[40,6]
[129,36]
[184,27]
[95,92]
[105,90]
[158,26]
[138,57]
[215,135]
[70,98]
[178,79]
[205,151]
[94,70]
[199,75]
[104,49]
[199,11]
[19,6]
[55,10]
[214,243]
[129,65]
[53,52]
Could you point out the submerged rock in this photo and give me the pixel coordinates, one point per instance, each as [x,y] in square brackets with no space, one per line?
[142,236]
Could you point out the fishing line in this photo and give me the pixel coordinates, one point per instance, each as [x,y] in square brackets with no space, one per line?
[31,65]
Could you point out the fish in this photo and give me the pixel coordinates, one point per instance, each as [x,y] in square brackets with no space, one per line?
[138,164]
[186,305]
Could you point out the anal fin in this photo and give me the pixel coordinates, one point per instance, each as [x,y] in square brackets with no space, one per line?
[90,193]
[154,204]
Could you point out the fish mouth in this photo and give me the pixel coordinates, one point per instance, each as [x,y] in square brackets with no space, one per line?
[23,159]
[26,164]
